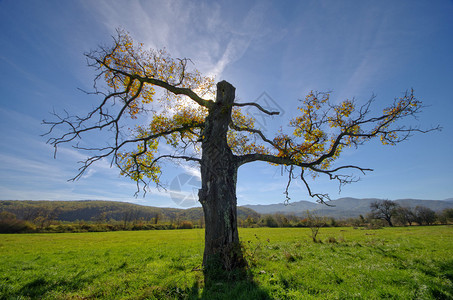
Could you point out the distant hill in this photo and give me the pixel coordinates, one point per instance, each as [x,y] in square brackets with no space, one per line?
[344,207]
[290,208]
[92,210]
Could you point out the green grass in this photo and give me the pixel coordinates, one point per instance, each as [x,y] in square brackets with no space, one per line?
[389,263]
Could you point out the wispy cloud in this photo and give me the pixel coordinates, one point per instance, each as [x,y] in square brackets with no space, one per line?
[241,38]
[11,165]
[192,171]
[187,29]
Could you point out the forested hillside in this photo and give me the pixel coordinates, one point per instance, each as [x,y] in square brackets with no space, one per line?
[103,211]
[83,216]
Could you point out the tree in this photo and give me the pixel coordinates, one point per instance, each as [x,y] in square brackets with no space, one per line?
[384,210]
[269,221]
[41,216]
[6,215]
[249,221]
[203,124]
[424,215]
[405,215]
[314,222]
[156,218]
[447,214]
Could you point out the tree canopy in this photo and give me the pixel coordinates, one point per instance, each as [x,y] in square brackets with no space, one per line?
[150,98]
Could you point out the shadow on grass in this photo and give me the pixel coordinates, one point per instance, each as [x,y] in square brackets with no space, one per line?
[445,290]
[245,289]
[227,276]
[38,287]
[238,289]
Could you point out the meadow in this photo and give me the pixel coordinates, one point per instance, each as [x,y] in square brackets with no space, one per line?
[347,263]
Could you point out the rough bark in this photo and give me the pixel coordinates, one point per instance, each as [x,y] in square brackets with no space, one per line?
[218,189]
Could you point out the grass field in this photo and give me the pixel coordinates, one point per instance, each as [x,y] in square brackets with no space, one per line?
[389,263]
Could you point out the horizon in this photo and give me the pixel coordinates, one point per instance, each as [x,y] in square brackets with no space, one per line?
[199,206]
[273,53]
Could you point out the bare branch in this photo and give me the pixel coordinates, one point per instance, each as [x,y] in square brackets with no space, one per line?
[259,107]
[248,158]
[318,150]
[176,90]
[252,130]
[114,150]
[290,177]
[321,197]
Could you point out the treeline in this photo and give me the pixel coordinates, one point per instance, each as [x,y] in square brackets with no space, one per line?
[382,213]
[82,216]
[394,214]
[92,216]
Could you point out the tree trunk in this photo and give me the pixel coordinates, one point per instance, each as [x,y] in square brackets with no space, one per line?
[217,195]
[389,220]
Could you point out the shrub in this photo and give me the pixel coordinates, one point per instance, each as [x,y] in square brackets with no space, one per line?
[289,257]
[331,240]
[15,226]
[374,224]
[185,225]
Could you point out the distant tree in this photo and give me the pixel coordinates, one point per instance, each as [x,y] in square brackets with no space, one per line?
[30,213]
[43,216]
[249,221]
[354,222]
[314,222]
[101,217]
[332,222]
[292,219]
[270,221]
[9,223]
[6,215]
[130,215]
[405,215]
[149,98]
[384,210]
[425,215]
[448,215]
[156,218]
[281,220]
[362,220]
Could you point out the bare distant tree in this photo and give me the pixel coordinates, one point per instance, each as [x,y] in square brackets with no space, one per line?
[315,222]
[156,218]
[384,210]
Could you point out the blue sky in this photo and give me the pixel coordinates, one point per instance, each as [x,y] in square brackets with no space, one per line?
[282,48]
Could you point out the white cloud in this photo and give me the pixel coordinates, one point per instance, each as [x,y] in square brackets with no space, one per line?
[199,31]
[192,171]
[28,168]
[241,39]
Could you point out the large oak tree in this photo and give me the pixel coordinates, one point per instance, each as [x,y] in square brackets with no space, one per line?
[172,103]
